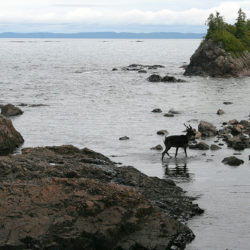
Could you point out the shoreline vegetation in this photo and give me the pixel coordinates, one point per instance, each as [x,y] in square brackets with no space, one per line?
[224,51]
[235,37]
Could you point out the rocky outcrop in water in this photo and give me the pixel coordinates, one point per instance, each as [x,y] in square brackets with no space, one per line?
[140,67]
[10,139]
[69,198]
[10,110]
[211,59]
[158,78]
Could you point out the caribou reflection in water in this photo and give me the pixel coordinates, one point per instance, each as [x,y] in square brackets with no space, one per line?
[176,169]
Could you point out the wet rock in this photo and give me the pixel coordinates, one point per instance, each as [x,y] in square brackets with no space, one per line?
[169,114]
[239,142]
[236,129]
[156,66]
[83,201]
[10,139]
[38,105]
[220,112]
[162,132]
[142,71]
[171,79]
[141,68]
[200,146]
[10,110]
[233,122]
[23,104]
[227,103]
[124,138]
[207,129]
[232,161]
[157,147]
[214,147]
[245,124]
[197,134]
[158,78]
[154,78]
[157,110]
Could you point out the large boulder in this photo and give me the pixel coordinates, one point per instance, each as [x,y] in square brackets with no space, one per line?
[10,139]
[232,161]
[69,198]
[211,59]
[207,129]
[10,110]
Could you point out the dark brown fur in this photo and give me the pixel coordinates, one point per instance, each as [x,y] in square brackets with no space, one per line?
[178,141]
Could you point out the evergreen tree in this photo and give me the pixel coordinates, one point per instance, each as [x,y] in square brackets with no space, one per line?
[215,23]
[235,38]
[241,25]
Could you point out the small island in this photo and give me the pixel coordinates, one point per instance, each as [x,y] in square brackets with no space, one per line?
[224,51]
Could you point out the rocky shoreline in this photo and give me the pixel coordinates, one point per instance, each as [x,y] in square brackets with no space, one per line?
[65,198]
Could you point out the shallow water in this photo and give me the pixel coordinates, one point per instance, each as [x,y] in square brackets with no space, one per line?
[89,105]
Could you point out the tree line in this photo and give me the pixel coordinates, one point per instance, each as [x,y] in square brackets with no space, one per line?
[235,37]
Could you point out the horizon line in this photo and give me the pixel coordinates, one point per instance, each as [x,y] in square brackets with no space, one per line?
[104,35]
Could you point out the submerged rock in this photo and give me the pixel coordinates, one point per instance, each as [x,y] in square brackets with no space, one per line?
[169,114]
[232,161]
[142,71]
[157,110]
[162,132]
[220,112]
[214,147]
[158,78]
[69,198]
[211,59]
[154,78]
[10,139]
[157,147]
[171,79]
[124,138]
[200,146]
[10,110]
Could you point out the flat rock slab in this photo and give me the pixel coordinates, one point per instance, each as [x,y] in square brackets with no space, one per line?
[69,198]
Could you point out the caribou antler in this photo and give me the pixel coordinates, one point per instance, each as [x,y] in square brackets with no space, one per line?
[188,127]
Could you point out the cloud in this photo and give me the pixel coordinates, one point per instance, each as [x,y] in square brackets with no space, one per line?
[96,14]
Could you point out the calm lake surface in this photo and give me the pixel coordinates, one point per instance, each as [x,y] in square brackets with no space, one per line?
[89,105]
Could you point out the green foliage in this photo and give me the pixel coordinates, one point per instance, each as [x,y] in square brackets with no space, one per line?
[235,38]
[230,42]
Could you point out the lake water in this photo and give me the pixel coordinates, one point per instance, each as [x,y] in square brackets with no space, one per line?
[89,105]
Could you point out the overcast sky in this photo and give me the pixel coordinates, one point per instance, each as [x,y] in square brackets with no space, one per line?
[113,15]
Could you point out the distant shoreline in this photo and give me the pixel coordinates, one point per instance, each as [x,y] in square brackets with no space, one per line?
[104,35]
